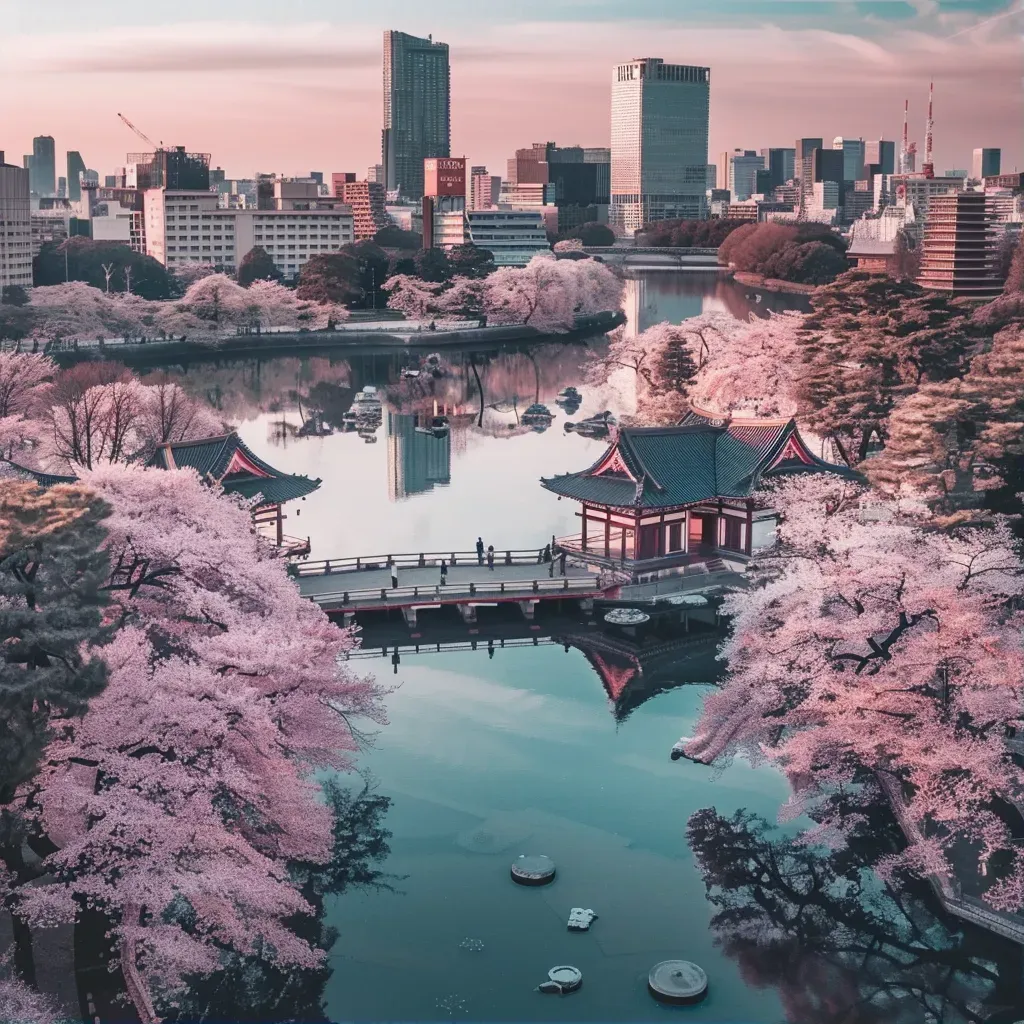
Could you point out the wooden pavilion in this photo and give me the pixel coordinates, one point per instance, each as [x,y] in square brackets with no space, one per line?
[228,461]
[663,497]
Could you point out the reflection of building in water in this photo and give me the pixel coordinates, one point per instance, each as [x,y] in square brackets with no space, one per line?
[417,460]
[674,297]
[634,671]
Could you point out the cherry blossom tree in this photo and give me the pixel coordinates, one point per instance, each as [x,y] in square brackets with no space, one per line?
[465,297]
[179,800]
[873,649]
[568,245]
[549,293]
[413,296]
[24,387]
[66,312]
[22,1004]
[215,301]
[169,413]
[187,274]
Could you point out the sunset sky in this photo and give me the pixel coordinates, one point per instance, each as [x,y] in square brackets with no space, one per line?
[293,87]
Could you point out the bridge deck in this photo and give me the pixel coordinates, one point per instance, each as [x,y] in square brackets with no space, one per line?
[366,589]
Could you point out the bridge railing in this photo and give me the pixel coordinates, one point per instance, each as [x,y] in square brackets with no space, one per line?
[414,560]
[518,589]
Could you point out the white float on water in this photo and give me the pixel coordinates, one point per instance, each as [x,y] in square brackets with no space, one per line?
[533,870]
[677,981]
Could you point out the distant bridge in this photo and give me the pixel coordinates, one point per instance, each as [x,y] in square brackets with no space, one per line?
[652,255]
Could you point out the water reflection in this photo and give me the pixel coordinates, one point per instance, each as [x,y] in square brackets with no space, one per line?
[839,945]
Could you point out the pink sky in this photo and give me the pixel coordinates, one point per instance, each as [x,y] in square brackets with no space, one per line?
[307,96]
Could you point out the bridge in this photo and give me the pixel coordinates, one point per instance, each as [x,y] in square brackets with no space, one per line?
[346,586]
[654,256]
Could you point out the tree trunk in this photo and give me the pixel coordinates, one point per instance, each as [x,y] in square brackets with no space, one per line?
[101,992]
[24,960]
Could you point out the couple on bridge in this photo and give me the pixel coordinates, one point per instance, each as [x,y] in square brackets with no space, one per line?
[480,554]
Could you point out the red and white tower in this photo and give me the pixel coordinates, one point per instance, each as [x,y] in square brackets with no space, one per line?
[929,167]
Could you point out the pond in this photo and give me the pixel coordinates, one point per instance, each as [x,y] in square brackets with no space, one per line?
[554,740]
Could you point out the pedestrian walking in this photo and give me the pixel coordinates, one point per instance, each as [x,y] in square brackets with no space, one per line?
[394,576]
[444,572]
[561,563]
[547,553]
[479,551]
[540,556]
[490,557]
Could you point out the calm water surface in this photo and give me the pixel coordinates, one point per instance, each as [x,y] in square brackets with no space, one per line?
[489,756]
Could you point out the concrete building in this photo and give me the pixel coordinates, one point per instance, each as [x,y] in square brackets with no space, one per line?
[513,237]
[367,200]
[581,177]
[823,165]
[172,168]
[484,189]
[118,215]
[959,172]
[803,154]
[959,251]
[407,216]
[986,163]
[854,153]
[826,195]
[417,118]
[188,226]
[880,153]
[743,167]
[659,151]
[532,197]
[919,191]
[15,226]
[375,172]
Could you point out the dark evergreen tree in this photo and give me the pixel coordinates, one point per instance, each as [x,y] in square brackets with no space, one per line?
[82,259]
[257,265]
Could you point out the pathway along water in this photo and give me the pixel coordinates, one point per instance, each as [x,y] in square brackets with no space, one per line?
[557,746]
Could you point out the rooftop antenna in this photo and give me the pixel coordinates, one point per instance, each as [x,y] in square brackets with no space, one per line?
[903,143]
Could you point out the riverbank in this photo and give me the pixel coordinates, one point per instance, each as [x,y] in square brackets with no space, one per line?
[182,351]
[772,284]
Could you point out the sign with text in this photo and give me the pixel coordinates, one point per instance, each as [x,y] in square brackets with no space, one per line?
[444,176]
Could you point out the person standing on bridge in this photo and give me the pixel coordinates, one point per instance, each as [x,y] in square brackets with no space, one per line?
[490,557]
[394,576]
[551,567]
[479,551]
[444,572]
[561,562]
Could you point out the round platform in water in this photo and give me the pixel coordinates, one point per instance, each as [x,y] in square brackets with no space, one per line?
[570,978]
[533,870]
[677,981]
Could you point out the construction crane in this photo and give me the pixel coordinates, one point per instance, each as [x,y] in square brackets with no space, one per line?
[145,138]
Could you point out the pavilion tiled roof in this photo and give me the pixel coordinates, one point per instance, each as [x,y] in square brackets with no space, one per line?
[229,461]
[42,479]
[698,460]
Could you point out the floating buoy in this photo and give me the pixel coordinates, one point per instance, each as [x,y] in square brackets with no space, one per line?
[677,981]
[579,919]
[533,870]
[561,980]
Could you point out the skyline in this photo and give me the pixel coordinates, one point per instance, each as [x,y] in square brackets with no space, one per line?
[306,95]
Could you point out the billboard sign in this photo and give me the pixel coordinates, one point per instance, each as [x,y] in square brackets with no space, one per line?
[444,176]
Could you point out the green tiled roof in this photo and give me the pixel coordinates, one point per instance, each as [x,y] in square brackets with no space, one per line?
[211,457]
[697,461]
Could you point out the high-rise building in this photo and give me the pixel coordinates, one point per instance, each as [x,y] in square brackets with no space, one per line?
[581,177]
[484,189]
[367,199]
[960,250]
[802,154]
[881,152]
[513,237]
[986,163]
[820,165]
[853,151]
[779,164]
[43,166]
[168,168]
[417,119]
[76,171]
[743,167]
[375,172]
[15,226]
[659,151]
[444,202]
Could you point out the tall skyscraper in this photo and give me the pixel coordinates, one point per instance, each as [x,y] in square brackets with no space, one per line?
[484,189]
[743,167]
[417,117]
[76,169]
[986,162]
[802,157]
[659,152]
[43,167]
[882,154]
[853,157]
[779,164]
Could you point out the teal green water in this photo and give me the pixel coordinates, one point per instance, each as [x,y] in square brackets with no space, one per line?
[521,754]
